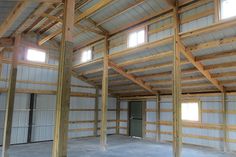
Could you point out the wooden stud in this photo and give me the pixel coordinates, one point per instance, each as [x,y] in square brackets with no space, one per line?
[103,131]
[176,89]
[225,126]
[118,116]
[10,99]
[96,113]
[158,118]
[64,81]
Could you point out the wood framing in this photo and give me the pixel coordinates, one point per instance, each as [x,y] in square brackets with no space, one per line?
[176,88]
[10,99]
[96,112]
[81,16]
[103,131]
[117,115]
[225,126]
[16,12]
[158,118]
[131,77]
[6,42]
[64,81]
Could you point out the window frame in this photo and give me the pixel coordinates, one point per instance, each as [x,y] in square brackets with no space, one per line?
[220,12]
[136,30]
[199,111]
[37,49]
[81,54]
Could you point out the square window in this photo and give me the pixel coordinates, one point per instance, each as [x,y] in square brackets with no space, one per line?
[136,38]
[86,56]
[190,111]
[36,55]
[228,8]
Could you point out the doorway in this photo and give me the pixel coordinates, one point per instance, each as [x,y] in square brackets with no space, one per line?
[136,118]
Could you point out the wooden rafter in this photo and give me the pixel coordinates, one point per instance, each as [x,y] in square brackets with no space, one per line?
[54,18]
[131,77]
[121,12]
[6,42]
[82,16]
[199,66]
[16,12]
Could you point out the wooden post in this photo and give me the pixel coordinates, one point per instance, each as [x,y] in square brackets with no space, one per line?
[176,89]
[64,82]
[10,99]
[217,10]
[224,106]
[103,131]
[118,116]
[158,118]
[96,113]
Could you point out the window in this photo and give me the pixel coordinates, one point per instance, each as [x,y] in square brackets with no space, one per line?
[36,55]
[86,56]
[228,8]
[190,111]
[136,38]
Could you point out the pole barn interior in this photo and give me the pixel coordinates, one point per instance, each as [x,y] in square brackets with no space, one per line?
[116,78]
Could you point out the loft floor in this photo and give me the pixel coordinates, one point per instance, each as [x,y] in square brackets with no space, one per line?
[118,146]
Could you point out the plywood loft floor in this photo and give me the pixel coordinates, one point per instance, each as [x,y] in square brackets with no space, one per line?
[119,146]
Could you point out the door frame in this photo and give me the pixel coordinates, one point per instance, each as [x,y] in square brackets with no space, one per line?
[144,104]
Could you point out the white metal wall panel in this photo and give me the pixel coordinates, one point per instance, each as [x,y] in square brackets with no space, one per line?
[43,118]
[123,117]
[208,104]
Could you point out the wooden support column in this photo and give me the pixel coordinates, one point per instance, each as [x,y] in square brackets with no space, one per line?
[10,99]
[64,82]
[176,89]
[224,107]
[103,131]
[158,118]
[96,113]
[118,116]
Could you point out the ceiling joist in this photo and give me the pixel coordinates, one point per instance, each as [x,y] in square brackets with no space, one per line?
[130,77]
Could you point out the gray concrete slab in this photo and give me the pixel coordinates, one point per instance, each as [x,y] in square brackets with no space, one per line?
[119,146]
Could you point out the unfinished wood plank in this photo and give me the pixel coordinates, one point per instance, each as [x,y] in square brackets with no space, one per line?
[10,99]
[96,113]
[118,116]
[130,77]
[225,131]
[103,131]
[64,81]
[176,89]
[158,117]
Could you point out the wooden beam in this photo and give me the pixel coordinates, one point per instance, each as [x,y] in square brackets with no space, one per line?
[117,115]
[176,88]
[33,17]
[6,42]
[130,77]
[199,66]
[96,113]
[85,14]
[129,7]
[85,28]
[158,118]
[10,99]
[12,17]
[224,114]
[92,10]
[64,82]
[103,131]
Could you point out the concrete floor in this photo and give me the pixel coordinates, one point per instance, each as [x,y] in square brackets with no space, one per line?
[119,146]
